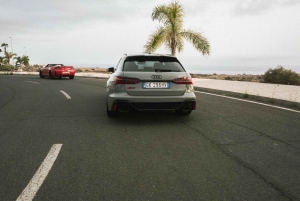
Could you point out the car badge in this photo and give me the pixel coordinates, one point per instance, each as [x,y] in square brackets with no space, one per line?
[156,76]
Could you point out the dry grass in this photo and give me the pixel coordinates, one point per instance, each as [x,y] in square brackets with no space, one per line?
[91,70]
[244,77]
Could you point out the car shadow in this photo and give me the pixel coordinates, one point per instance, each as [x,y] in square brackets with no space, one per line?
[149,117]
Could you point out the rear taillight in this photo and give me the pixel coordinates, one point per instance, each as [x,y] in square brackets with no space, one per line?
[115,107]
[183,80]
[194,106]
[126,80]
[187,81]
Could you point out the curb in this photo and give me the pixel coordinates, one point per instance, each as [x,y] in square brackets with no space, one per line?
[267,100]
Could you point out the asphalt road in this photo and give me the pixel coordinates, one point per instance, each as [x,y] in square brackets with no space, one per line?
[225,150]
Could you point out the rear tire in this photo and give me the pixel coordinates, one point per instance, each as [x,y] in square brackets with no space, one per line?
[41,75]
[50,75]
[71,77]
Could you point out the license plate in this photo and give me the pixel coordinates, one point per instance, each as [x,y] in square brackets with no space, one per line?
[156,85]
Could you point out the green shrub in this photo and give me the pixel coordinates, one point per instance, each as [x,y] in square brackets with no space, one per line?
[280,75]
[7,67]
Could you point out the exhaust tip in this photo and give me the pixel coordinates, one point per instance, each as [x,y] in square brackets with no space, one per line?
[187,108]
[124,109]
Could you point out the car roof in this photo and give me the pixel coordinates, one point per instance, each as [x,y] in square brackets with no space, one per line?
[154,55]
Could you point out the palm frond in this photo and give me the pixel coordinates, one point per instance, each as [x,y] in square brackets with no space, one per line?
[179,43]
[4,45]
[25,60]
[160,13]
[198,41]
[176,14]
[169,15]
[155,40]
[8,56]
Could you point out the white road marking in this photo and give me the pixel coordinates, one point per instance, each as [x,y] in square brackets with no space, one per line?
[33,82]
[67,95]
[40,175]
[282,108]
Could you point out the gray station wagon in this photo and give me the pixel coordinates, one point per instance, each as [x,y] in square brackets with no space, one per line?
[149,82]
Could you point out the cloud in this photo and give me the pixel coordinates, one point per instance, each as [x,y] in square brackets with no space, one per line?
[195,8]
[253,7]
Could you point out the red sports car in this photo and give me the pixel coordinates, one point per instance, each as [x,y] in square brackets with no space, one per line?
[57,71]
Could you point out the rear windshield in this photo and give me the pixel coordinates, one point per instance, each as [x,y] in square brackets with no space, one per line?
[152,64]
[54,65]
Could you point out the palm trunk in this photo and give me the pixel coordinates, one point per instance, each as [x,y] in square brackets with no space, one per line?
[173,46]
[174,52]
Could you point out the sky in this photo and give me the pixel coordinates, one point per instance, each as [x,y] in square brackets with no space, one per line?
[96,33]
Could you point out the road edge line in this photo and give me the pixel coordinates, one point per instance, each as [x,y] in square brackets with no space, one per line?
[248,101]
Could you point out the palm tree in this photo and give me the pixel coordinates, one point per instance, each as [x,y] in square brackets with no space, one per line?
[5,46]
[4,60]
[25,60]
[8,56]
[18,60]
[171,33]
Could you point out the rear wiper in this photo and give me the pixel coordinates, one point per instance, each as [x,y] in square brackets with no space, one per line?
[165,70]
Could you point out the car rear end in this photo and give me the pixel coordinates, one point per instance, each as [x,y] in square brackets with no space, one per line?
[148,82]
[64,71]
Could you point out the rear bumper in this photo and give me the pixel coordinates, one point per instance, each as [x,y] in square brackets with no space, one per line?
[60,73]
[149,102]
[122,105]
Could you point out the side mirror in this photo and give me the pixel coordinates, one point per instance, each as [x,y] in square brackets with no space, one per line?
[111,69]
